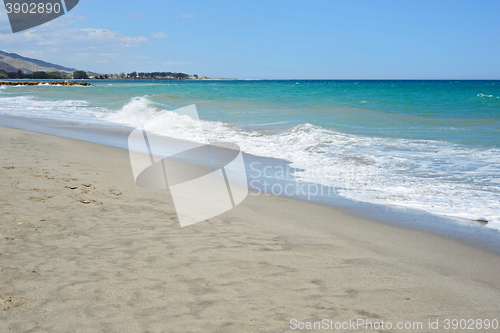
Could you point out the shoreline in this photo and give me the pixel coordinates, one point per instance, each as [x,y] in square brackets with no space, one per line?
[467,231]
[122,261]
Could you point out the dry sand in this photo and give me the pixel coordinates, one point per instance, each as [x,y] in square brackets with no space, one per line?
[82,249]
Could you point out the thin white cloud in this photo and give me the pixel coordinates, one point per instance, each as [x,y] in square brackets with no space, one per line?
[159,35]
[47,42]
[188,16]
[63,22]
[106,36]
[72,41]
[94,49]
[112,55]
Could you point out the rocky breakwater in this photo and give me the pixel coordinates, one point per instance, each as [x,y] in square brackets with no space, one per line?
[36,83]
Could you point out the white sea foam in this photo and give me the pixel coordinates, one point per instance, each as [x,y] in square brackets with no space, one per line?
[52,85]
[489,96]
[437,177]
[31,107]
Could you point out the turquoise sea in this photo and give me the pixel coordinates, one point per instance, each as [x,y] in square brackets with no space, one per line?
[433,146]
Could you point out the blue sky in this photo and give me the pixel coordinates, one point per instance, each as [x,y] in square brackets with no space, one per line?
[350,39]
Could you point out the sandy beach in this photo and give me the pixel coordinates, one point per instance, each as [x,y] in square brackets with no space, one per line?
[83,249]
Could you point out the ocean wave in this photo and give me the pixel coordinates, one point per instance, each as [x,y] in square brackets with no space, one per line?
[433,176]
[45,84]
[488,96]
[32,107]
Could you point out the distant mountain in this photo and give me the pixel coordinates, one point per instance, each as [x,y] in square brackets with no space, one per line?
[11,62]
[6,67]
